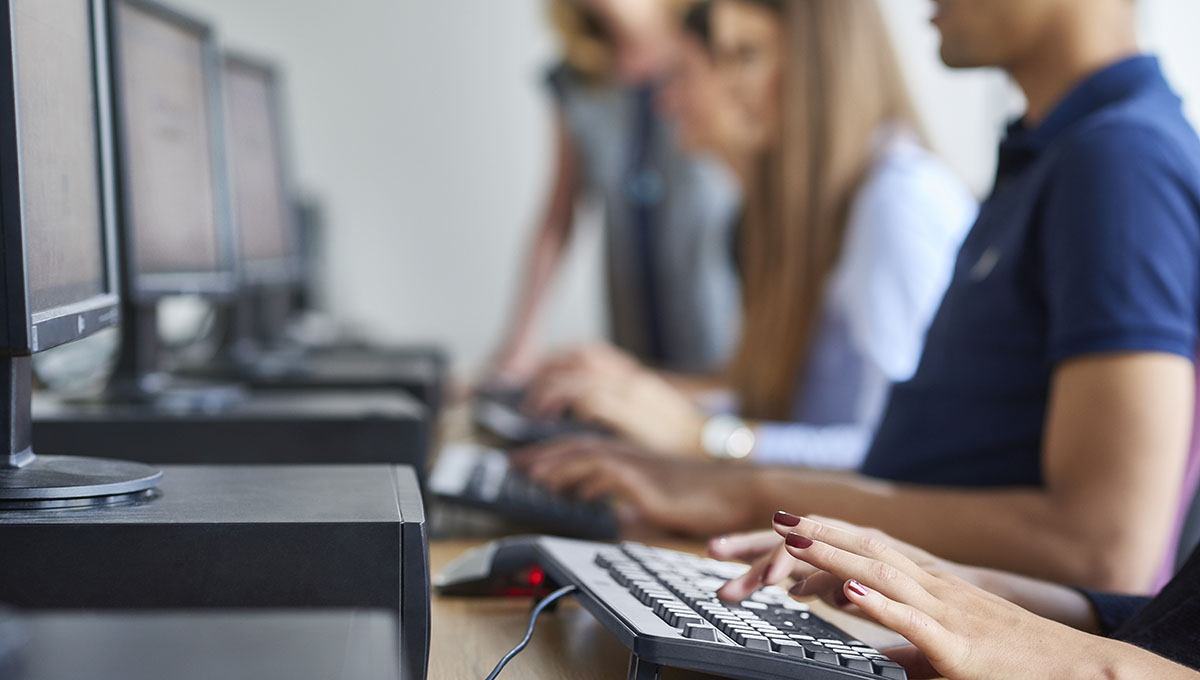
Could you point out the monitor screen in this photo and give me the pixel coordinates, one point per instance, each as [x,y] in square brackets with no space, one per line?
[59,152]
[166,144]
[255,151]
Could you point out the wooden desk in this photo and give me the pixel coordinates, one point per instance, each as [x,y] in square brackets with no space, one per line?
[470,635]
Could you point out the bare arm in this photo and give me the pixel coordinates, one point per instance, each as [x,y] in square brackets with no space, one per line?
[957,630]
[773,564]
[544,258]
[1117,433]
[696,386]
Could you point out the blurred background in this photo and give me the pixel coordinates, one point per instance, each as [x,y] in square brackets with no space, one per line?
[423,130]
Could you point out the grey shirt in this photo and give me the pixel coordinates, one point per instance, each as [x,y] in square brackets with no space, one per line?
[669,227]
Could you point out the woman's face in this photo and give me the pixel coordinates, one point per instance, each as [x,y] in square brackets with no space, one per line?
[748,41]
[695,98]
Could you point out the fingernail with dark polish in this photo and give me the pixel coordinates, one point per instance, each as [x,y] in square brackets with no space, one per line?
[856,588]
[787,519]
[797,541]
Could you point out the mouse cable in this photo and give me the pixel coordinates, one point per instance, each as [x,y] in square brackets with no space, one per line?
[546,602]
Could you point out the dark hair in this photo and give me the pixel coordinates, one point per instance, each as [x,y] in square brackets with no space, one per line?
[773,5]
[698,22]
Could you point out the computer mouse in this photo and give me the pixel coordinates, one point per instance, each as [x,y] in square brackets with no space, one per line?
[504,567]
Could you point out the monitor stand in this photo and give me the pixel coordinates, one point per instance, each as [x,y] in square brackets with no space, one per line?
[29,481]
[138,378]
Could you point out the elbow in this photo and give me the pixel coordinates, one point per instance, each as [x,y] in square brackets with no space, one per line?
[1113,566]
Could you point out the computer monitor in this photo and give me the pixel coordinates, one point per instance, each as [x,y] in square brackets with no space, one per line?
[174,216]
[256,148]
[272,268]
[58,279]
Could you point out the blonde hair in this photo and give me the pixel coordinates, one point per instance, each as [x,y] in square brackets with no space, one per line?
[841,85]
[585,46]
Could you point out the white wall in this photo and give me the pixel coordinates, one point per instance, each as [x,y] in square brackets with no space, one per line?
[1169,29]
[423,126]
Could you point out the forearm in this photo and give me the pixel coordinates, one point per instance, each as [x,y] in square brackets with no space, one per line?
[551,241]
[1115,660]
[1048,600]
[1022,530]
[542,265]
[695,385]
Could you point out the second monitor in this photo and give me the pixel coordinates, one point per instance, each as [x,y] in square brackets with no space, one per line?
[176,235]
[259,349]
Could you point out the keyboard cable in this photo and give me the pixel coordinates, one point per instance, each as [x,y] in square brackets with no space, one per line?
[546,602]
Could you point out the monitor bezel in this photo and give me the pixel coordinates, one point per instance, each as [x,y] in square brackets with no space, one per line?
[282,271]
[24,331]
[147,288]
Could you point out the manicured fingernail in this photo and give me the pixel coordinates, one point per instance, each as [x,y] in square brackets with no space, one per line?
[856,588]
[795,540]
[787,519]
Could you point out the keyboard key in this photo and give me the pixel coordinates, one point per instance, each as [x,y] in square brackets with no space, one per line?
[824,656]
[889,669]
[699,631]
[788,648]
[864,650]
[755,642]
[856,662]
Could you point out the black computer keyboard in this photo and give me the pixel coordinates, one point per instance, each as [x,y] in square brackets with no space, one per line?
[500,412]
[482,478]
[662,605]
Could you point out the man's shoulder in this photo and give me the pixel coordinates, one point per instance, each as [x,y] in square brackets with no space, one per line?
[1135,136]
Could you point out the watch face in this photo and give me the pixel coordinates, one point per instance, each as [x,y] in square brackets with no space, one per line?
[740,443]
[727,437]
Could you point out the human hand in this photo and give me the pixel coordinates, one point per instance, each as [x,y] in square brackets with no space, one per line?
[602,385]
[958,630]
[772,564]
[560,381]
[696,499]
[513,364]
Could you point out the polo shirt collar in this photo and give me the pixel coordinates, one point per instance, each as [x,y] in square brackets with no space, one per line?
[1112,84]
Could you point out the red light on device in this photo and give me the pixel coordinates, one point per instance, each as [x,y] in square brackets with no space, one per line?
[537,576]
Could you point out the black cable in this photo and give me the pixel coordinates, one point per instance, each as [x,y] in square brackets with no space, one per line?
[546,602]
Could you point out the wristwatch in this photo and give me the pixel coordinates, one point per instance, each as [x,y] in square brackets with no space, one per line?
[726,437]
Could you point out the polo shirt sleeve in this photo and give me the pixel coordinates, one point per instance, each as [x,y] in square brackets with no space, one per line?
[1113,611]
[1121,247]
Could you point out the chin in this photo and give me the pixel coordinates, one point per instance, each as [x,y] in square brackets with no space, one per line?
[957,58]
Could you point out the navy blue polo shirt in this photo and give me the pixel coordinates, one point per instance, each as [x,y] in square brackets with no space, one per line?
[1089,244]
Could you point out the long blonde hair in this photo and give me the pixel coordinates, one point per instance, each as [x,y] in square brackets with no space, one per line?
[841,85]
